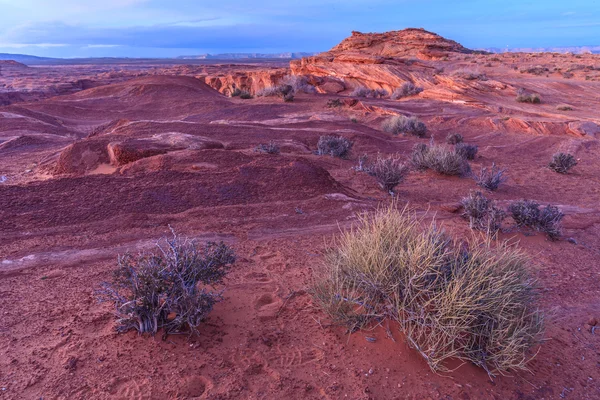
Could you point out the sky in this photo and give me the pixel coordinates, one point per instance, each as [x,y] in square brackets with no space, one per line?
[169,28]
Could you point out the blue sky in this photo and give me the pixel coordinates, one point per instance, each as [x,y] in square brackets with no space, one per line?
[166,28]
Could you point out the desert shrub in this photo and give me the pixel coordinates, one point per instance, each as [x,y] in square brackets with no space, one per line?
[537,70]
[245,95]
[334,103]
[466,151]
[454,138]
[379,93]
[160,290]
[335,146]
[528,213]
[400,124]
[564,108]
[441,159]
[361,91]
[286,92]
[567,75]
[298,84]
[490,179]
[524,97]
[407,89]
[363,163]
[562,162]
[482,213]
[236,92]
[269,91]
[389,172]
[474,302]
[270,148]
[419,156]
[470,75]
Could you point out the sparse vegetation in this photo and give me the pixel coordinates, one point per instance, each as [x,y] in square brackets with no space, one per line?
[160,290]
[335,146]
[536,70]
[286,92]
[440,159]
[466,151]
[524,97]
[562,163]
[245,95]
[564,108]
[361,91]
[473,302]
[298,84]
[399,124]
[454,138]
[236,92]
[407,89]
[334,103]
[388,172]
[270,148]
[528,213]
[470,75]
[490,179]
[482,213]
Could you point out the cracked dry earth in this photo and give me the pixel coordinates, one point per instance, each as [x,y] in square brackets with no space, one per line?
[105,170]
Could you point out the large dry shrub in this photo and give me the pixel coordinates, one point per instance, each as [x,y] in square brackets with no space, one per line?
[491,178]
[562,162]
[389,171]
[475,302]
[528,213]
[482,213]
[335,146]
[407,89]
[439,158]
[169,288]
[399,124]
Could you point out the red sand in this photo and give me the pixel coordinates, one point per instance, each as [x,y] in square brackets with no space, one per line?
[106,170]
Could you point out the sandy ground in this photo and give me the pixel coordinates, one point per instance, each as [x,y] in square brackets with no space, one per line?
[68,207]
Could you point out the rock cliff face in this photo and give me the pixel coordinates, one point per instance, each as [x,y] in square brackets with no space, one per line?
[410,42]
[378,60]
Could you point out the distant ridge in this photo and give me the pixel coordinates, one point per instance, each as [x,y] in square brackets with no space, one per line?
[567,49]
[23,58]
[236,56]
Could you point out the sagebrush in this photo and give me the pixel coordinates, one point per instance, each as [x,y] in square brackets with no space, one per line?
[269,148]
[407,89]
[388,171]
[562,162]
[439,158]
[491,178]
[454,138]
[482,213]
[466,151]
[399,124]
[161,289]
[335,146]
[472,301]
[528,213]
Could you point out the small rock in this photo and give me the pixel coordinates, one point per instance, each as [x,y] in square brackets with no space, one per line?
[592,321]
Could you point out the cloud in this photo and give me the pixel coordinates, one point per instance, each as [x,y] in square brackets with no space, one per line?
[40,45]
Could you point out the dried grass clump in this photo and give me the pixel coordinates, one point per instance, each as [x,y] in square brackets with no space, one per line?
[245,95]
[407,89]
[286,92]
[334,103]
[161,289]
[361,91]
[474,302]
[454,138]
[389,172]
[482,213]
[335,146]
[524,97]
[564,108]
[270,148]
[470,75]
[562,162]
[299,84]
[528,213]
[466,151]
[490,179]
[399,124]
[441,159]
